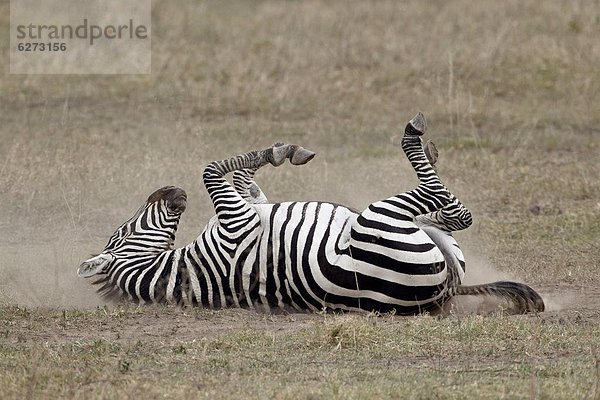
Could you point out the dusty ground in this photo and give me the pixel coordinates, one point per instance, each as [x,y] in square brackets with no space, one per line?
[510,90]
[154,324]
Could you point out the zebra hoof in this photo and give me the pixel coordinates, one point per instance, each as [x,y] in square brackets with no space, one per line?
[416,126]
[301,156]
[296,154]
[431,152]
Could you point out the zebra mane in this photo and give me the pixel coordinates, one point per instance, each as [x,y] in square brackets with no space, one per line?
[109,290]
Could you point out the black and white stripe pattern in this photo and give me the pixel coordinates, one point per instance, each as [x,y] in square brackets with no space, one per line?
[398,255]
[244,183]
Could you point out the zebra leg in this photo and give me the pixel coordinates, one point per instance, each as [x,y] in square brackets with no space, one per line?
[230,207]
[431,195]
[246,186]
[454,216]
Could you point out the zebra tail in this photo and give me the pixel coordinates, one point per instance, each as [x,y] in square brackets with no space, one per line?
[524,297]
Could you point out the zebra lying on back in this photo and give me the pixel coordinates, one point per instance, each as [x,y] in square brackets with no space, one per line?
[398,255]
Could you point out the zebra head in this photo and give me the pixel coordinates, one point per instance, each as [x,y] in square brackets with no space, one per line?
[148,233]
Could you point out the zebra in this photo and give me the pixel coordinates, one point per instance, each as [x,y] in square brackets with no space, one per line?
[397,256]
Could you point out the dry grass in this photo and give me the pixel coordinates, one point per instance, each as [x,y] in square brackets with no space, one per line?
[511,93]
[94,354]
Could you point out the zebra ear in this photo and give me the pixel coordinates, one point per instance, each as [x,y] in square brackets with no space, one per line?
[94,265]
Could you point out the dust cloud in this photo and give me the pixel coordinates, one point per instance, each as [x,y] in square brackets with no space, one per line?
[44,275]
[479,269]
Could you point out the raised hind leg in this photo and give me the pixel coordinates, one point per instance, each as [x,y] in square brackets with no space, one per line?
[392,221]
[430,195]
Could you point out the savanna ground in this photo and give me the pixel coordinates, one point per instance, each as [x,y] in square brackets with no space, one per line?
[510,90]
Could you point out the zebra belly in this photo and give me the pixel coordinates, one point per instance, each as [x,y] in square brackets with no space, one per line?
[287,250]
[304,260]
